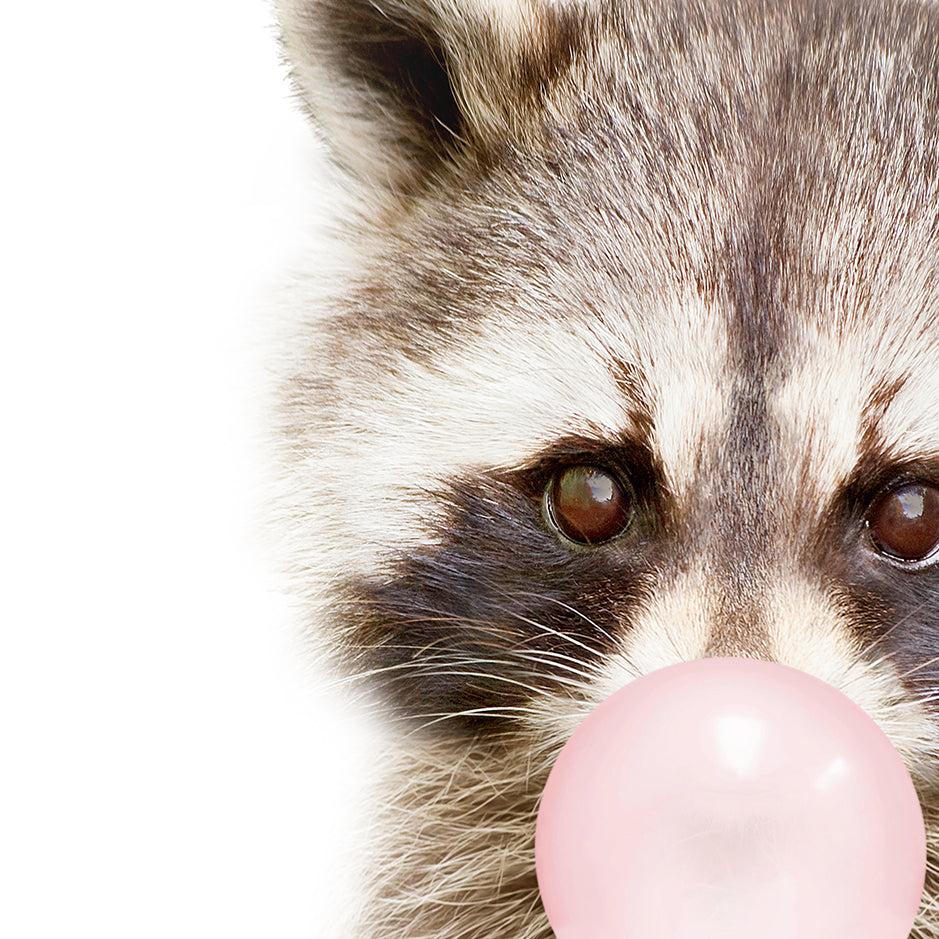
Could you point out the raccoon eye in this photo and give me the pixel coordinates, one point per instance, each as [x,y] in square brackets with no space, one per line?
[588,504]
[904,522]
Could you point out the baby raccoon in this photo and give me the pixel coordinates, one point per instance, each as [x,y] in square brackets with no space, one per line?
[625,353]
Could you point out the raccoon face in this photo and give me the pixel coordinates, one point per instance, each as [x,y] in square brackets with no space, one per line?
[626,353]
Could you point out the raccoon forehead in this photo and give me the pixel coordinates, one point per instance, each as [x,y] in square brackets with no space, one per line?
[371,443]
[504,390]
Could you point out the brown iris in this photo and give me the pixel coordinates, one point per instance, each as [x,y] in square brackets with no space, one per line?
[589,504]
[905,522]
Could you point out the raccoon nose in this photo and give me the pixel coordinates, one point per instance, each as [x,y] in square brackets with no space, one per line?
[727,799]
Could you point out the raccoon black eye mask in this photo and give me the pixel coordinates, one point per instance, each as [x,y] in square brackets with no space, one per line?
[619,353]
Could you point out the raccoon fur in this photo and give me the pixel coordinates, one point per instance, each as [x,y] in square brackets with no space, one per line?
[621,350]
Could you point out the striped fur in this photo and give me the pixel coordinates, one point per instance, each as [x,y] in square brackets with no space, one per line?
[695,240]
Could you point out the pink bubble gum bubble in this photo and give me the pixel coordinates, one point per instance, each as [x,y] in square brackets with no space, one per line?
[730,799]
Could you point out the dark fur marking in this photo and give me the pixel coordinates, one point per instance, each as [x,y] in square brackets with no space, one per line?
[878,402]
[633,386]
[400,59]
[899,611]
[744,467]
[895,609]
[562,34]
[497,602]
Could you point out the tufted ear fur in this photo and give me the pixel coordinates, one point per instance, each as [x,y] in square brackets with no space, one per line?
[397,86]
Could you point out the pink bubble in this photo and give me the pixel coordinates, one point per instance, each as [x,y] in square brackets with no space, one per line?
[730,799]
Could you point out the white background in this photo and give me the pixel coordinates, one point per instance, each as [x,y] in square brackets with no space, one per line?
[169,767]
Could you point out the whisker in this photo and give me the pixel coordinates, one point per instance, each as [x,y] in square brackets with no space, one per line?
[879,639]
[588,620]
[488,627]
[553,632]
[918,667]
[493,710]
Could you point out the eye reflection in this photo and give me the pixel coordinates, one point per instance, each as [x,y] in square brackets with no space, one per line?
[589,504]
[904,523]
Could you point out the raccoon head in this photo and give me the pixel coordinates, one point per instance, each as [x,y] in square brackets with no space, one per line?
[626,352]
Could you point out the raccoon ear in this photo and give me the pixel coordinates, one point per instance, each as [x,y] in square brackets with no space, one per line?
[394,85]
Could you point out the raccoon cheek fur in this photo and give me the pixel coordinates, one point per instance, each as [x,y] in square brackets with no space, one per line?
[683,249]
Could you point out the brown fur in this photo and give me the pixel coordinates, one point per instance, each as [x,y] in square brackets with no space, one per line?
[693,240]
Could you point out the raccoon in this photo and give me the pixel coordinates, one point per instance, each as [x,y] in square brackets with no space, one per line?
[621,350]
